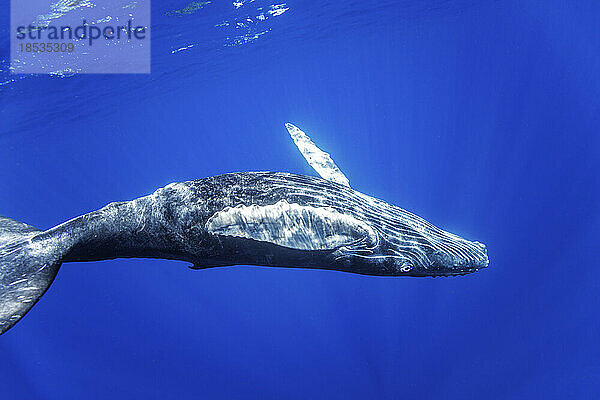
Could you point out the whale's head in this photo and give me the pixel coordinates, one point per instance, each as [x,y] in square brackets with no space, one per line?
[432,253]
[396,242]
[413,252]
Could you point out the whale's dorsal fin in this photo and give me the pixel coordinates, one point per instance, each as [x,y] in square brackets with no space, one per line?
[317,158]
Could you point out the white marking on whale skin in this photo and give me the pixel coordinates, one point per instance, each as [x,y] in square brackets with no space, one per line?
[317,158]
[291,225]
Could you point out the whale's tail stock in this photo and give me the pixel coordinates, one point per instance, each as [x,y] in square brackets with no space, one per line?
[28,266]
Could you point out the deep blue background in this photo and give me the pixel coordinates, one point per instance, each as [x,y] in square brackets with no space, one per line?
[481,116]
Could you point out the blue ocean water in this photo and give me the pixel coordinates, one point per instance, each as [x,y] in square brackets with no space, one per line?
[480,116]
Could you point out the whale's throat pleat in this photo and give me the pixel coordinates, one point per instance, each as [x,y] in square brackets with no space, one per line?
[291,225]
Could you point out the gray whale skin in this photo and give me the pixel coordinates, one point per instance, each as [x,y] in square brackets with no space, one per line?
[250,218]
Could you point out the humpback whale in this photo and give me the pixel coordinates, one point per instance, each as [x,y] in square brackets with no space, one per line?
[250,218]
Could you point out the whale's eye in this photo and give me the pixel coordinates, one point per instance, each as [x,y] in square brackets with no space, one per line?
[405,268]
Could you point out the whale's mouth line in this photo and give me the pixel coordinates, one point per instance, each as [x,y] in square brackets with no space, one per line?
[463,272]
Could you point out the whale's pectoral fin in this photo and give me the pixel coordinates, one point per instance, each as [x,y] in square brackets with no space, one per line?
[317,158]
[293,226]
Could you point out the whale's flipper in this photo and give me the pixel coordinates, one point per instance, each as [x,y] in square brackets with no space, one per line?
[291,225]
[317,158]
[27,268]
